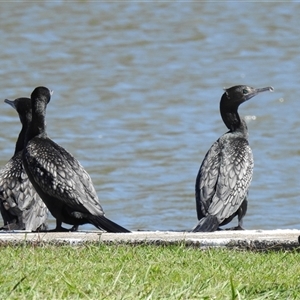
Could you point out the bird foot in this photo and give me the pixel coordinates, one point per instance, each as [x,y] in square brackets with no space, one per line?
[235,228]
[59,229]
[42,228]
[12,226]
[62,229]
[74,228]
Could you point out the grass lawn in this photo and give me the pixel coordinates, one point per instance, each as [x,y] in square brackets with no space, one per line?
[98,271]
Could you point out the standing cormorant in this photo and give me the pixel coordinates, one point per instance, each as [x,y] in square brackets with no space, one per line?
[226,171]
[21,207]
[60,180]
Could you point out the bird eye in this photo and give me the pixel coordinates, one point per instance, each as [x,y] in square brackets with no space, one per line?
[245,91]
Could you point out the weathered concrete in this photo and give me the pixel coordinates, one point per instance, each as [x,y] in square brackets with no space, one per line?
[248,239]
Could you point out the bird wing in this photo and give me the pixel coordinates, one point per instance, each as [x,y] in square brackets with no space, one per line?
[235,175]
[8,174]
[61,176]
[224,178]
[207,179]
[17,191]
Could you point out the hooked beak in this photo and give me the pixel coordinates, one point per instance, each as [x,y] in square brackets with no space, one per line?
[268,88]
[254,92]
[10,102]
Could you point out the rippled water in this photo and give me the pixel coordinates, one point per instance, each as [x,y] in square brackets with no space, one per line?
[136,98]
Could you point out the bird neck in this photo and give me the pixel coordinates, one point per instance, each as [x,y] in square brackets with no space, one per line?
[25,121]
[37,126]
[235,124]
[229,114]
[20,140]
[231,120]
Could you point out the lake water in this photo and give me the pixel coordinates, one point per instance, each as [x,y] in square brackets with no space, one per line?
[136,98]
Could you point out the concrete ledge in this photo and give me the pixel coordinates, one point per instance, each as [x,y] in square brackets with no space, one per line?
[247,239]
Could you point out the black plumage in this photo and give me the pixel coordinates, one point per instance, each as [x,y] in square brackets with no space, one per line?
[60,180]
[21,207]
[226,171]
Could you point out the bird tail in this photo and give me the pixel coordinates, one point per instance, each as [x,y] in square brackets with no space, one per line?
[207,224]
[103,223]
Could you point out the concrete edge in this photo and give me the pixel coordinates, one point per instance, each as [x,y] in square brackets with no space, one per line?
[260,240]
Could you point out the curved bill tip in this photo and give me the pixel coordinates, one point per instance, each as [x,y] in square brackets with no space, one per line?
[268,88]
[10,102]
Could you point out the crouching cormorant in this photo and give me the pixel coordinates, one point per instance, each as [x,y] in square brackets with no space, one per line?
[226,171]
[60,180]
[21,207]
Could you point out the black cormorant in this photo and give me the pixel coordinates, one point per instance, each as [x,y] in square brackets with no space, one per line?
[21,207]
[226,171]
[60,180]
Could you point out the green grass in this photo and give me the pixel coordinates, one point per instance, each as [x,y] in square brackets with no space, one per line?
[146,272]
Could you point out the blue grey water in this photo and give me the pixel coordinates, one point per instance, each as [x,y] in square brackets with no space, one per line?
[136,98]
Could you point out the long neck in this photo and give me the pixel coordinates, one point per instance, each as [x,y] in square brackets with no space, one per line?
[38,125]
[21,139]
[229,114]
[25,119]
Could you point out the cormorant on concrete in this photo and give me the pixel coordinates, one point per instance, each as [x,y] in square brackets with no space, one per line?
[21,207]
[60,180]
[226,171]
